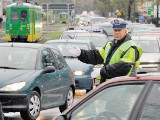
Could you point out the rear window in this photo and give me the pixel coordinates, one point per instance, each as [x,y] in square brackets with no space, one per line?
[148,46]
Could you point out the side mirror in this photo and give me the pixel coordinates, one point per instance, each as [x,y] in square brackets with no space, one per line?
[49,69]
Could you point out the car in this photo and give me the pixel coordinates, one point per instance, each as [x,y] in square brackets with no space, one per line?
[121,98]
[98,39]
[82,71]
[151,52]
[34,77]
[70,34]
[97,20]
[108,29]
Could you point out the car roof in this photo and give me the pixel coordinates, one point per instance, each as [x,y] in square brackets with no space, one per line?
[22,45]
[68,40]
[144,37]
[138,77]
[106,24]
[90,34]
[75,31]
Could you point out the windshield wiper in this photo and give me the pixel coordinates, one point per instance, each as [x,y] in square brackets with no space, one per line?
[69,57]
[70,36]
[8,67]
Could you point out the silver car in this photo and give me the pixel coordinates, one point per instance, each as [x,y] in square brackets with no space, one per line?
[151,52]
[98,39]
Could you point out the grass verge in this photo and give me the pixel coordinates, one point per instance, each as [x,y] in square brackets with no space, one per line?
[51,36]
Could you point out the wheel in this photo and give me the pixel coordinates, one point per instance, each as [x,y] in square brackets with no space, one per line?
[69,100]
[107,115]
[33,107]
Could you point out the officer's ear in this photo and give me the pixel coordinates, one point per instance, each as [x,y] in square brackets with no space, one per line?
[126,31]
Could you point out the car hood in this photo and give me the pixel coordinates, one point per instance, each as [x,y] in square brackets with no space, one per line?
[76,64]
[9,76]
[150,57]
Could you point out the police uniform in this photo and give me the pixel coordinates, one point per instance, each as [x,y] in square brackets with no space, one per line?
[114,56]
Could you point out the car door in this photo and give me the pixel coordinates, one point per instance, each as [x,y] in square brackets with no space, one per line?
[65,74]
[50,81]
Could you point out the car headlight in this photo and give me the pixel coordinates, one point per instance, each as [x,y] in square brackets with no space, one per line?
[13,87]
[78,73]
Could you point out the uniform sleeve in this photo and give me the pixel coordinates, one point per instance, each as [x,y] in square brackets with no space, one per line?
[91,57]
[120,68]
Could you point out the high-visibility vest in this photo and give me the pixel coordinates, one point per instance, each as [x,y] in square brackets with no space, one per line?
[125,49]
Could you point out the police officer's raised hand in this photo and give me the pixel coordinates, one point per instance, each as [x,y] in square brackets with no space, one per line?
[74,50]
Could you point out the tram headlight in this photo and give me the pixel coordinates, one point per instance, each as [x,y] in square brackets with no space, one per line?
[10,26]
[27,26]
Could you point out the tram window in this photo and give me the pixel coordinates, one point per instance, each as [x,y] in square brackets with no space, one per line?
[23,15]
[15,16]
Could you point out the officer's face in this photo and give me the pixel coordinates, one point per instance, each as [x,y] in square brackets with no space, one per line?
[119,33]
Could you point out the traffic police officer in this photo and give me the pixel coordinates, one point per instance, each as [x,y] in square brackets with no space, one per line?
[115,55]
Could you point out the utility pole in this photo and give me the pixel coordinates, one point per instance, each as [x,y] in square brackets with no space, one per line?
[157,20]
[129,8]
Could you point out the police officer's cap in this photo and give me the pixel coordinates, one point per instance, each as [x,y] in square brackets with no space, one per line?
[119,24]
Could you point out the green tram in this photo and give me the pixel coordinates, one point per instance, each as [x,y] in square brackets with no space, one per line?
[63,17]
[24,22]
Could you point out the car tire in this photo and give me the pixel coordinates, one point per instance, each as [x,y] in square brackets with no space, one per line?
[33,107]
[69,100]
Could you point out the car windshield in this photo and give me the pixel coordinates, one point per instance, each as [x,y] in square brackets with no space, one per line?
[93,20]
[148,46]
[114,102]
[108,30]
[17,58]
[62,46]
[98,41]
[70,35]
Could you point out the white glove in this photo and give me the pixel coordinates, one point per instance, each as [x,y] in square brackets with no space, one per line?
[95,73]
[74,50]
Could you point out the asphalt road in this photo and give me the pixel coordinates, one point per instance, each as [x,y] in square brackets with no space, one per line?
[44,115]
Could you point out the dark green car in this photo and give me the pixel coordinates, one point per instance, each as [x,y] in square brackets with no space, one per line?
[34,77]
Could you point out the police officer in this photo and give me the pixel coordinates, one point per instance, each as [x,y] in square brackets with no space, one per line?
[114,56]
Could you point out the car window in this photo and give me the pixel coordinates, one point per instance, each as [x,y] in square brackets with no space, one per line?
[114,102]
[60,60]
[148,46]
[20,58]
[48,58]
[98,41]
[92,46]
[151,108]
[108,30]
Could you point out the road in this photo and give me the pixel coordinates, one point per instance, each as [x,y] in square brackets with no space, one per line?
[44,115]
